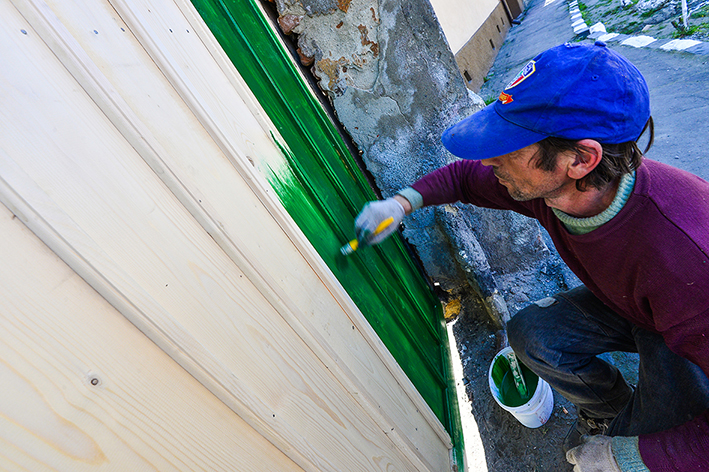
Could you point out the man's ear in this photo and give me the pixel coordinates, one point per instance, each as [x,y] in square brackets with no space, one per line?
[588,157]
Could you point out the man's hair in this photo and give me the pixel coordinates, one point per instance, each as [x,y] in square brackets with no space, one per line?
[617,159]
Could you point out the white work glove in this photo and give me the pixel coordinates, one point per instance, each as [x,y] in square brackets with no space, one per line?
[606,454]
[372,215]
[594,454]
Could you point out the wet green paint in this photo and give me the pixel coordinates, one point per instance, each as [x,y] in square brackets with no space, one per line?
[504,380]
[322,188]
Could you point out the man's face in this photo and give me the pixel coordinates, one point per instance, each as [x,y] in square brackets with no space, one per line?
[523,180]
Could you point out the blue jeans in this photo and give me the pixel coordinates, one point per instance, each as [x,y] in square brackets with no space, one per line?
[560,343]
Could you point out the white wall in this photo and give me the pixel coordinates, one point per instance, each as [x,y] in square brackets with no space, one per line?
[460,19]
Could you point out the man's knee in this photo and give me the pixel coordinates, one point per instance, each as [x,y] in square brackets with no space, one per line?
[519,328]
[528,327]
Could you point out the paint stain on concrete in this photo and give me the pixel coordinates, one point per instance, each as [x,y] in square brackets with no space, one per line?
[344,5]
[331,69]
[368,42]
[304,58]
[289,22]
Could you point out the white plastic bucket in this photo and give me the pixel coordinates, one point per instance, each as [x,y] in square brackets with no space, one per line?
[537,410]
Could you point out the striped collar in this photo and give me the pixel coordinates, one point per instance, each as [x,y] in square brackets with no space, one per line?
[586,225]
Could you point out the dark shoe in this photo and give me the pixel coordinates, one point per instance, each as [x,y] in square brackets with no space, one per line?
[585,427]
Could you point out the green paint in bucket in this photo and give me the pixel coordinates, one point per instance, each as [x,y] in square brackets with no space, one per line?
[509,395]
[532,410]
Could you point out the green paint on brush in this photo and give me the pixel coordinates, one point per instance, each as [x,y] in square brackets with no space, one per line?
[517,374]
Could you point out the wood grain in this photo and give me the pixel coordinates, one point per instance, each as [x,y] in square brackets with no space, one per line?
[84,390]
[190,246]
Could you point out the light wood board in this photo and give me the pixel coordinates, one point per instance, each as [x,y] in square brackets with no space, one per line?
[119,151]
[145,413]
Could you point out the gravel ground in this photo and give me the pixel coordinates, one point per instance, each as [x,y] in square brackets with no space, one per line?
[495,440]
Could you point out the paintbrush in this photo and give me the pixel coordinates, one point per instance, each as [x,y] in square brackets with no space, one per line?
[517,374]
[353,245]
[505,364]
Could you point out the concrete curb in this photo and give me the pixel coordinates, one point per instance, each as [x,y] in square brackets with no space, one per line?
[598,31]
[578,24]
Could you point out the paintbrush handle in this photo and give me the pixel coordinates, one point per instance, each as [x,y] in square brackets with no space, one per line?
[383,225]
[517,375]
[353,245]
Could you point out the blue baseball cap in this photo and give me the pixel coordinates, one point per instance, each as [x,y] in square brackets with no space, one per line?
[573,91]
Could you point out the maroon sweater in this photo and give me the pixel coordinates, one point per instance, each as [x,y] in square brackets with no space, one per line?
[649,264]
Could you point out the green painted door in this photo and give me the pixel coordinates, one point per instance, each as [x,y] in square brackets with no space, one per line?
[325,192]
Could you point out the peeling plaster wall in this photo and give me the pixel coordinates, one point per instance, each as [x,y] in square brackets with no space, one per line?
[395,86]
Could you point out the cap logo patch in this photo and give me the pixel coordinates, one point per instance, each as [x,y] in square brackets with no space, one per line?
[505,98]
[523,74]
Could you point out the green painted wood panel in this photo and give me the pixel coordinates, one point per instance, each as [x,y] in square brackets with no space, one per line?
[323,191]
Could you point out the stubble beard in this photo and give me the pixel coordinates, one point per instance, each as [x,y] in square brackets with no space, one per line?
[512,189]
[521,196]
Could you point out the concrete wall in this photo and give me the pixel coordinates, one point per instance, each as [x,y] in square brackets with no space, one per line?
[395,86]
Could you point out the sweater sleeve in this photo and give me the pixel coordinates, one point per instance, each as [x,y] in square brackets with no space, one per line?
[468,182]
[684,448]
[680,449]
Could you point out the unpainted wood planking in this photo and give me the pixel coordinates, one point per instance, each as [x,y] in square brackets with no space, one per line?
[84,390]
[201,78]
[204,75]
[141,207]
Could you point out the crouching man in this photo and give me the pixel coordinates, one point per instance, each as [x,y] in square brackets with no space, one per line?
[560,145]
